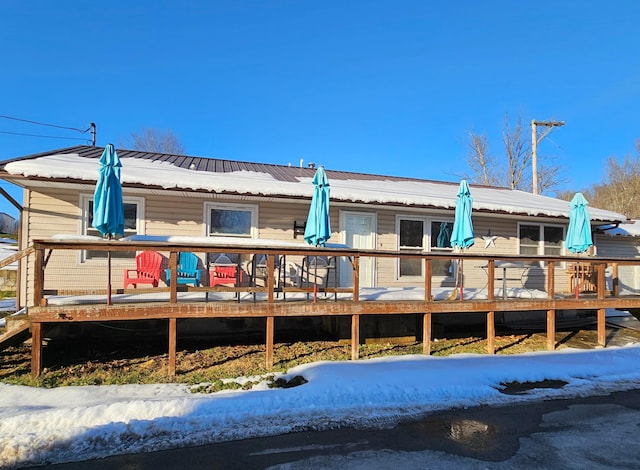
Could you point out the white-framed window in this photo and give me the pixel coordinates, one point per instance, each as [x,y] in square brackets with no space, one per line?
[231,220]
[420,235]
[440,241]
[133,224]
[540,239]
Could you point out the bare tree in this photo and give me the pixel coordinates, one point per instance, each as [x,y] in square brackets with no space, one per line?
[620,192]
[518,153]
[153,140]
[514,170]
[480,162]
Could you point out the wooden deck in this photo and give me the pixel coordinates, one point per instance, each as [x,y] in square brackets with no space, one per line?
[272,300]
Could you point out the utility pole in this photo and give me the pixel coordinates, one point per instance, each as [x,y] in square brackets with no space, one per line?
[92,125]
[535,140]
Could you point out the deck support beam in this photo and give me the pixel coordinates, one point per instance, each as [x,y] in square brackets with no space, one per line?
[173,343]
[355,337]
[426,334]
[602,329]
[551,330]
[491,332]
[551,313]
[36,349]
[426,318]
[269,342]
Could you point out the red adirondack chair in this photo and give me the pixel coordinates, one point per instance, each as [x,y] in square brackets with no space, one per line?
[224,271]
[147,270]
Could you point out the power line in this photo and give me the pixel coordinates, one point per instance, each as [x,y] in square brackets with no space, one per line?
[46,124]
[45,136]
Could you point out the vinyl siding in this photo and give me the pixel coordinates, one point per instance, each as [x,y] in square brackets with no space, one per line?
[58,211]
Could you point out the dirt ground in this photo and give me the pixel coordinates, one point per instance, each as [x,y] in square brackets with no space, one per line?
[145,360]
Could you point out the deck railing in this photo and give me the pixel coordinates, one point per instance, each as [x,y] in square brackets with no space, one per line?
[72,280]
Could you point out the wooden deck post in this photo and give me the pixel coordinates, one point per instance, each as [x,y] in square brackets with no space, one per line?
[355,319]
[173,266]
[270,328]
[551,313]
[269,342]
[551,330]
[36,349]
[38,278]
[428,274]
[173,341]
[271,282]
[355,278]
[615,281]
[602,329]
[355,337]
[426,317]
[491,279]
[491,316]
[426,333]
[491,332]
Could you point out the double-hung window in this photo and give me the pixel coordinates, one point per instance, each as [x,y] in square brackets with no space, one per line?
[133,217]
[419,235]
[231,220]
[412,237]
[440,237]
[540,239]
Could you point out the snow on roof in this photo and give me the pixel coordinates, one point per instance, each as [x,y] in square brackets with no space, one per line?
[629,229]
[409,192]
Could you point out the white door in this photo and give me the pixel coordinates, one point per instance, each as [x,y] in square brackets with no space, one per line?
[358,231]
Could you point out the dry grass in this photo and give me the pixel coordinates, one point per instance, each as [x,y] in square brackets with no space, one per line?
[126,363]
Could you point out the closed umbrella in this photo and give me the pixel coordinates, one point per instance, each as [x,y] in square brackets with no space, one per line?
[108,208]
[462,235]
[579,231]
[318,228]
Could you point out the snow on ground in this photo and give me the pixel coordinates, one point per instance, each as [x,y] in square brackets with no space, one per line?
[8,249]
[39,426]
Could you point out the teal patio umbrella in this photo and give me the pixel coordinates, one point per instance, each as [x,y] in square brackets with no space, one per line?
[578,238]
[318,228]
[579,232]
[108,208]
[462,235]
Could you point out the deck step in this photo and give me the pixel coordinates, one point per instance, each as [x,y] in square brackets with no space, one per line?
[16,332]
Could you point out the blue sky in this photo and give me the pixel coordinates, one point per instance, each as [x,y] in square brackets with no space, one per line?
[388,87]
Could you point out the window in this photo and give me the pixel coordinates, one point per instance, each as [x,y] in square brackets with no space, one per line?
[412,238]
[540,239]
[231,220]
[132,225]
[418,235]
[441,242]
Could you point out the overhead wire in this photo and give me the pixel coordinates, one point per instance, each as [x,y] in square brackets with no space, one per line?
[46,124]
[45,136]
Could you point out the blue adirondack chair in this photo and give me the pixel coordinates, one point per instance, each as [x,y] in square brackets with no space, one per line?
[188,272]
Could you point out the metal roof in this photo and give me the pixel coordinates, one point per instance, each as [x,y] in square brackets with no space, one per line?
[350,187]
[217,165]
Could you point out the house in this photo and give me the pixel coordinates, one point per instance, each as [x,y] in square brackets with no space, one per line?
[208,197]
[621,240]
[8,224]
